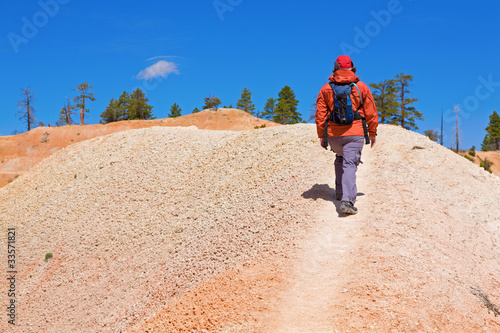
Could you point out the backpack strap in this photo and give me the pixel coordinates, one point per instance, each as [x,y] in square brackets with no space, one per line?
[359,92]
[357,115]
[325,128]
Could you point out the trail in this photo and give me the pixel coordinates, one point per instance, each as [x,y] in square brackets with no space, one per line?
[317,272]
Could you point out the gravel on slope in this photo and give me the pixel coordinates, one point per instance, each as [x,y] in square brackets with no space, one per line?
[134,219]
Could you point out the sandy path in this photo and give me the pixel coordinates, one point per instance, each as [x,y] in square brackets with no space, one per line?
[318,270]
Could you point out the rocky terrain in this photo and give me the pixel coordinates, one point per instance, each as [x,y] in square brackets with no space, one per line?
[179,229]
[18,153]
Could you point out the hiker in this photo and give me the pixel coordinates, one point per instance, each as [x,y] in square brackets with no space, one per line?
[345,130]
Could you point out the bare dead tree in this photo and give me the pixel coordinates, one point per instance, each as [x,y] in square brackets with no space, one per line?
[457,128]
[27,108]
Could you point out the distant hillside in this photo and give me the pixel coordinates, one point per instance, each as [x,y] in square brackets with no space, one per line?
[18,153]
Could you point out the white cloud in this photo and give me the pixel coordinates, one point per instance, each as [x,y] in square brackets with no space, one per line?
[161,68]
[162,57]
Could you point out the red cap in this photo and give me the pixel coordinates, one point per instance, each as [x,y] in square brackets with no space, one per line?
[345,62]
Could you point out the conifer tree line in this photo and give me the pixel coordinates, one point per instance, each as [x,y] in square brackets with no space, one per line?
[131,106]
[392,98]
[283,110]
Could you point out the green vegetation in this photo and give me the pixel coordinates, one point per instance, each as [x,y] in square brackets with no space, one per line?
[284,109]
[48,256]
[175,111]
[65,115]
[486,165]
[128,107]
[393,102]
[245,101]
[472,151]
[268,112]
[211,102]
[492,139]
[384,94]
[82,99]
[431,134]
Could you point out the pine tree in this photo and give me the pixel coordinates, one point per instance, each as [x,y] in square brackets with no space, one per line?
[407,115]
[138,107]
[27,108]
[492,139]
[211,102]
[384,95]
[116,110]
[245,101]
[122,106]
[65,115]
[196,110]
[81,99]
[286,108]
[111,113]
[268,112]
[175,111]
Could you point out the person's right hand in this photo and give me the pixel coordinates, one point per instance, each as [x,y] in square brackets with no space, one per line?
[373,139]
[321,141]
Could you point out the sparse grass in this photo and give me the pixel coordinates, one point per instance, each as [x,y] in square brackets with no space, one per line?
[77,133]
[469,158]
[261,126]
[75,175]
[45,137]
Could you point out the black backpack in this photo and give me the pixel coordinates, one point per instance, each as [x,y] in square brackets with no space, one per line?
[342,113]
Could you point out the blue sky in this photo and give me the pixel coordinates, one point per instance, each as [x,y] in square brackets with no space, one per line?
[219,47]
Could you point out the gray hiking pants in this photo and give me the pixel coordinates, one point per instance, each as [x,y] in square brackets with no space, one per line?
[348,156]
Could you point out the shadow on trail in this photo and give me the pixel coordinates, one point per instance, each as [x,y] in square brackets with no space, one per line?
[325,192]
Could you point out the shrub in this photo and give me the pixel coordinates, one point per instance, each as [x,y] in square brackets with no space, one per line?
[472,151]
[486,165]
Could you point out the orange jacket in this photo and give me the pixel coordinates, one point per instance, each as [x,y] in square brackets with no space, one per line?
[326,97]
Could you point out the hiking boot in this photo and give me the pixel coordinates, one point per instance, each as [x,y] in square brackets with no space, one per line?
[338,196]
[348,208]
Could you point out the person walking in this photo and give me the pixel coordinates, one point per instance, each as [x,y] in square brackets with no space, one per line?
[346,118]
